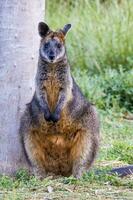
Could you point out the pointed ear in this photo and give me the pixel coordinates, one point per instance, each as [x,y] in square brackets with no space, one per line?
[43,29]
[66,28]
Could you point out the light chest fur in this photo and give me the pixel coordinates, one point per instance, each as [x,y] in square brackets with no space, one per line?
[52,87]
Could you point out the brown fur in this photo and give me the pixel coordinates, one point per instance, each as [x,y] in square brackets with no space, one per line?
[70,145]
[52,88]
[56,147]
[58,35]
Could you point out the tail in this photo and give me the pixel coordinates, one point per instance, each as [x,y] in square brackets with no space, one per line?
[122,171]
[119,171]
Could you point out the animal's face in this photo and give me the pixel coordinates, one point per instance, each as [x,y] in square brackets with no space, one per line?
[52,47]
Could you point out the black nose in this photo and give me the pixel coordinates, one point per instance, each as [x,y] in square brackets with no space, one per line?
[51,57]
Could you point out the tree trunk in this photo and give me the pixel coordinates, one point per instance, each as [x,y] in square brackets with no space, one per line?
[19,42]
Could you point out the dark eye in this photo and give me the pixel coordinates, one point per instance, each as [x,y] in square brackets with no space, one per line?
[58,45]
[46,45]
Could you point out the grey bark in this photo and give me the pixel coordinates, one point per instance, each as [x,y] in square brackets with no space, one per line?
[19,42]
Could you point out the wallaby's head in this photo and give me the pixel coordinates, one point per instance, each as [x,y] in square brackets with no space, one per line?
[52,46]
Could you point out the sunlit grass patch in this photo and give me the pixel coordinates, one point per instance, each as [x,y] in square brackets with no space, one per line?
[101,36]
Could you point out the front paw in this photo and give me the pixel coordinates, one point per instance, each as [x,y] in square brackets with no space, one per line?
[47,116]
[55,117]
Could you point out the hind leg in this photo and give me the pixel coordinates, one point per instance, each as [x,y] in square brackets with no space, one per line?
[36,157]
[39,172]
[84,152]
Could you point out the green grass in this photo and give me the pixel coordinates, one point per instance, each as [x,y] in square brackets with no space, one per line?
[101,36]
[116,142]
[111,89]
[91,186]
